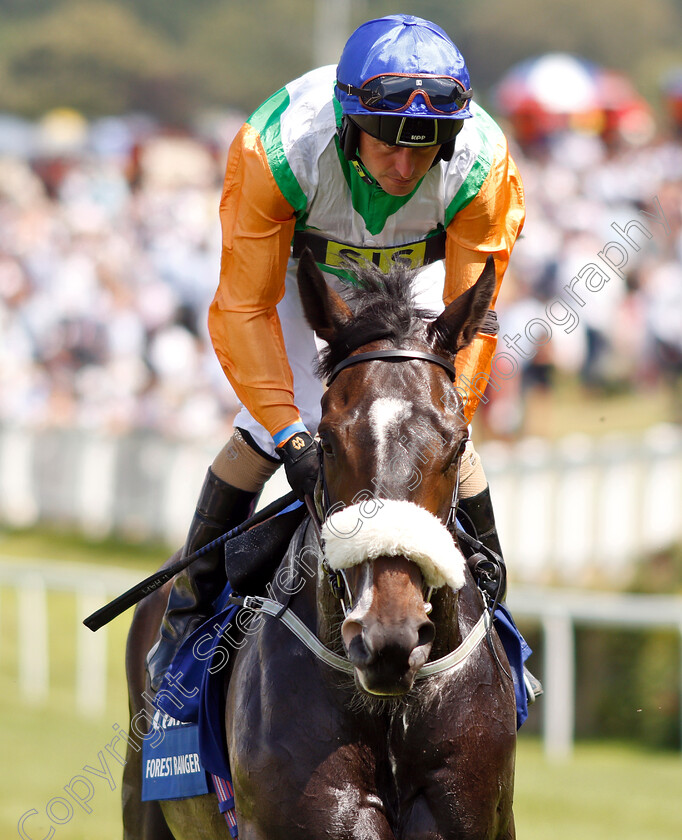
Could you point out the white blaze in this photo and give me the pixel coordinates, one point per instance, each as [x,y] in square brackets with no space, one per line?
[385,416]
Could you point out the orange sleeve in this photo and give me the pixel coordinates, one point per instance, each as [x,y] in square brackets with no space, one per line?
[489,224]
[257,226]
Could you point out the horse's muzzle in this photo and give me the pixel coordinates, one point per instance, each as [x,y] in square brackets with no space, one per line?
[387,657]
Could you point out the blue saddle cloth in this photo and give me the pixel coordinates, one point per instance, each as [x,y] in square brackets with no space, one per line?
[172,768]
[517,650]
[191,690]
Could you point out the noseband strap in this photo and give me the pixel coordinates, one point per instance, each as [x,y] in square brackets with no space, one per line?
[451,660]
[394,355]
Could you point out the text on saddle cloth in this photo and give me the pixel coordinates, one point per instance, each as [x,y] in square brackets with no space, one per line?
[172,768]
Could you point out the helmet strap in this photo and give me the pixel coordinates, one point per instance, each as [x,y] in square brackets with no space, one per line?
[445,152]
[349,135]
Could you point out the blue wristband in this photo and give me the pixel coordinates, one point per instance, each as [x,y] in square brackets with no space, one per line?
[288,432]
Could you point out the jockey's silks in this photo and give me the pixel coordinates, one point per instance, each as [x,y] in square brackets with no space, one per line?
[286,174]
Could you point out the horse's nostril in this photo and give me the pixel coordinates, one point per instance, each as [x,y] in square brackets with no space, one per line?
[426,633]
[358,653]
[350,630]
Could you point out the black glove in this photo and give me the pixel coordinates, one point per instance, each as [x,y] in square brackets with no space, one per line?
[299,455]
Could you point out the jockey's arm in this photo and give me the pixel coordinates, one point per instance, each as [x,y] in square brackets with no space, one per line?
[257,228]
[489,224]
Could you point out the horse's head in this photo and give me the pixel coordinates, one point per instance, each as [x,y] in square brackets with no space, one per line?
[392,434]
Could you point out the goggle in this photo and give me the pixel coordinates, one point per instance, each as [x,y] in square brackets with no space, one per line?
[442,94]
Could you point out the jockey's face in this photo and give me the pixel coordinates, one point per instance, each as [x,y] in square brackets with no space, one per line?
[397,169]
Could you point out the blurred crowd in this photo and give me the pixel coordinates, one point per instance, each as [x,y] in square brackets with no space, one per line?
[109,255]
[583,194]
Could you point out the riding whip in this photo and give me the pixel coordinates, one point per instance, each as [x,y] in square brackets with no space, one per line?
[145,587]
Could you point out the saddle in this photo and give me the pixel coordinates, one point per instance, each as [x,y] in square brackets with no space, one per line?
[252,558]
[193,685]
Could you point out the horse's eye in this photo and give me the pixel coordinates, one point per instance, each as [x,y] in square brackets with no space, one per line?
[458,454]
[326,448]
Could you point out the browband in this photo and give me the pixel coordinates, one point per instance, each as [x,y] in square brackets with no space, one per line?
[393,355]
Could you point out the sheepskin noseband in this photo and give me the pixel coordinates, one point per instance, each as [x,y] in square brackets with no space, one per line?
[395,529]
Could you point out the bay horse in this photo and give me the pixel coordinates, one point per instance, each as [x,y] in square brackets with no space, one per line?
[405,729]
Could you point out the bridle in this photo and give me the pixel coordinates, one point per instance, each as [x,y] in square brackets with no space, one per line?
[393,355]
[338,582]
[337,577]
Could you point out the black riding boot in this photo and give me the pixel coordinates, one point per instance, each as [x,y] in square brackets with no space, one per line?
[476,517]
[220,508]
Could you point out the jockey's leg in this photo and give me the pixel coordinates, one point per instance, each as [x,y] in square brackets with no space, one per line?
[227,498]
[475,515]
[475,509]
[236,477]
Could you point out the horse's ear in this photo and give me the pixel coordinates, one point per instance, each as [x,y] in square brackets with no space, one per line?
[457,325]
[324,309]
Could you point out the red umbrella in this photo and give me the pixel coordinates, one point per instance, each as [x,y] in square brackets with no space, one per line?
[672,94]
[627,115]
[559,92]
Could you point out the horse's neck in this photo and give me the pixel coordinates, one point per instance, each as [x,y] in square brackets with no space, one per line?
[329,616]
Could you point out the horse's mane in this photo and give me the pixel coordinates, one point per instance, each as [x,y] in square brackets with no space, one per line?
[383,307]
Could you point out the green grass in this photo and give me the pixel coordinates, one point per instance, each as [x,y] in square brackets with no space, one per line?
[45,745]
[604,791]
[56,544]
[44,750]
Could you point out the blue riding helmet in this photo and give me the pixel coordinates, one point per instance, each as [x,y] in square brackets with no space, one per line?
[401,79]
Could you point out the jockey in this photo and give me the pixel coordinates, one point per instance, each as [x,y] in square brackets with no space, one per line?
[383,157]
